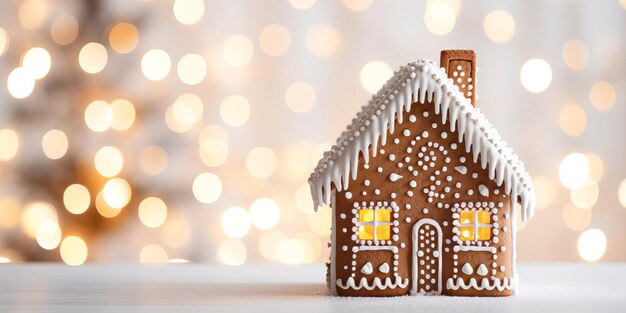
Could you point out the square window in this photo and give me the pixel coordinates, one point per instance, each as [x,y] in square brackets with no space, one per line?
[366,215]
[383,215]
[383,232]
[366,232]
[467,233]
[484,217]
[474,225]
[374,224]
[484,233]
[467,217]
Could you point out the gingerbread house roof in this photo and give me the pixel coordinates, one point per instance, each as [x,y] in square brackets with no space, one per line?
[421,80]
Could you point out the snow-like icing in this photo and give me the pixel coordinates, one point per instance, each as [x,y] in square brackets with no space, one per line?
[377,283]
[499,284]
[421,81]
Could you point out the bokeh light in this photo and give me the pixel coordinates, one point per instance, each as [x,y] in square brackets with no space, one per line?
[192,69]
[499,26]
[123,37]
[20,83]
[300,97]
[545,191]
[232,252]
[176,231]
[156,64]
[290,251]
[76,199]
[592,245]
[268,244]
[54,144]
[261,162]
[109,161]
[602,95]
[374,75]
[153,160]
[439,18]
[303,199]
[9,144]
[93,57]
[98,116]
[122,114]
[48,235]
[323,40]
[104,209]
[64,29]
[236,222]
[38,61]
[574,170]
[152,212]
[536,75]
[621,193]
[237,50]
[33,13]
[321,221]
[575,54]
[573,119]
[153,254]
[596,166]
[188,12]
[357,5]
[235,110]
[35,213]
[213,145]
[264,213]
[10,212]
[74,251]
[275,40]
[207,187]
[4,41]
[302,4]
[576,218]
[586,195]
[117,193]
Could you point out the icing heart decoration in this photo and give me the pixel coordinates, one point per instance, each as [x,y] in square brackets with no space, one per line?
[384,268]
[367,268]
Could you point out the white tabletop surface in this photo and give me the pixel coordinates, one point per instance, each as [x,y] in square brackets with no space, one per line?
[276,288]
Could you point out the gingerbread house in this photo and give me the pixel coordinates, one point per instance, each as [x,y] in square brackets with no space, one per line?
[423,190]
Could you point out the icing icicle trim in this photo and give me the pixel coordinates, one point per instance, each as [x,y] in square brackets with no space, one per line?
[418,82]
[499,284]
[376,283]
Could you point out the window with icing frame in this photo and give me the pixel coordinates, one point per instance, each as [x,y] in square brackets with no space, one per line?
[374,224]
[475,225]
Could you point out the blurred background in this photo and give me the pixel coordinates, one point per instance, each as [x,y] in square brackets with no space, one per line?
[184,131]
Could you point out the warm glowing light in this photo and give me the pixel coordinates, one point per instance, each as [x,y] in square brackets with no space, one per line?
[573,119]
[35,213]
[93,57]
[109,161]
[576,218]
[575,54]
[116,193]
[602,95]
[9,144]
[300,97]
[213,145]
[439,18]
[152,212]
[10,212]
[64,29]
[596,166]
[187,110]
[48,235]
[621,193]
[104,209]
[303,200]
[20,83]
[98,116]
[156,64]
[122,114]
[574,170]
[235,110]
[264,213]
[302,4]
[76,199]
[232,252]
[176,232]
[592,245]
[275,40]
[290,251]
[623,3]
[545,191]
[586,195]
[152,253]
[33,13]
[236,222]
[37,61]
[323,40]
[499,26]
[54,144]
[192,69]
[123,37]
[268,244]
[237,50]
[74,250]
[374,75]
[4,41]
[321,221]
[536,75]
[153,160]
[188,12]
[261,162]
[207,187]
[357,5]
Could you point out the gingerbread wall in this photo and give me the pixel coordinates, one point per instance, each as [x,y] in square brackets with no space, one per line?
[429,175]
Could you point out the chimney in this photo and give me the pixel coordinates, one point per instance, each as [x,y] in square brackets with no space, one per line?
[460,65]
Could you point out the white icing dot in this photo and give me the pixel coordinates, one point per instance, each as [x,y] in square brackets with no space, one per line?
[413,184]
[434,125]
[425,114]
[406,133]
[377,191]
[425,134]
[461,169]
[348,195]
[392,157]
[483,190]
[470,192]
[444,135]
[344,248]
[412,118]
[380,169]
[425,210]
[366,182]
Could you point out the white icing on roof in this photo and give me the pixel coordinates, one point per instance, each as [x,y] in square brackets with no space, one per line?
[423,80]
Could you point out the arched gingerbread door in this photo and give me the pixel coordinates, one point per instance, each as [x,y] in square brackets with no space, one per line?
[426,259]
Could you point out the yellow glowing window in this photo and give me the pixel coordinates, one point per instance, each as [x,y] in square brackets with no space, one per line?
[374,224]
[475,225]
